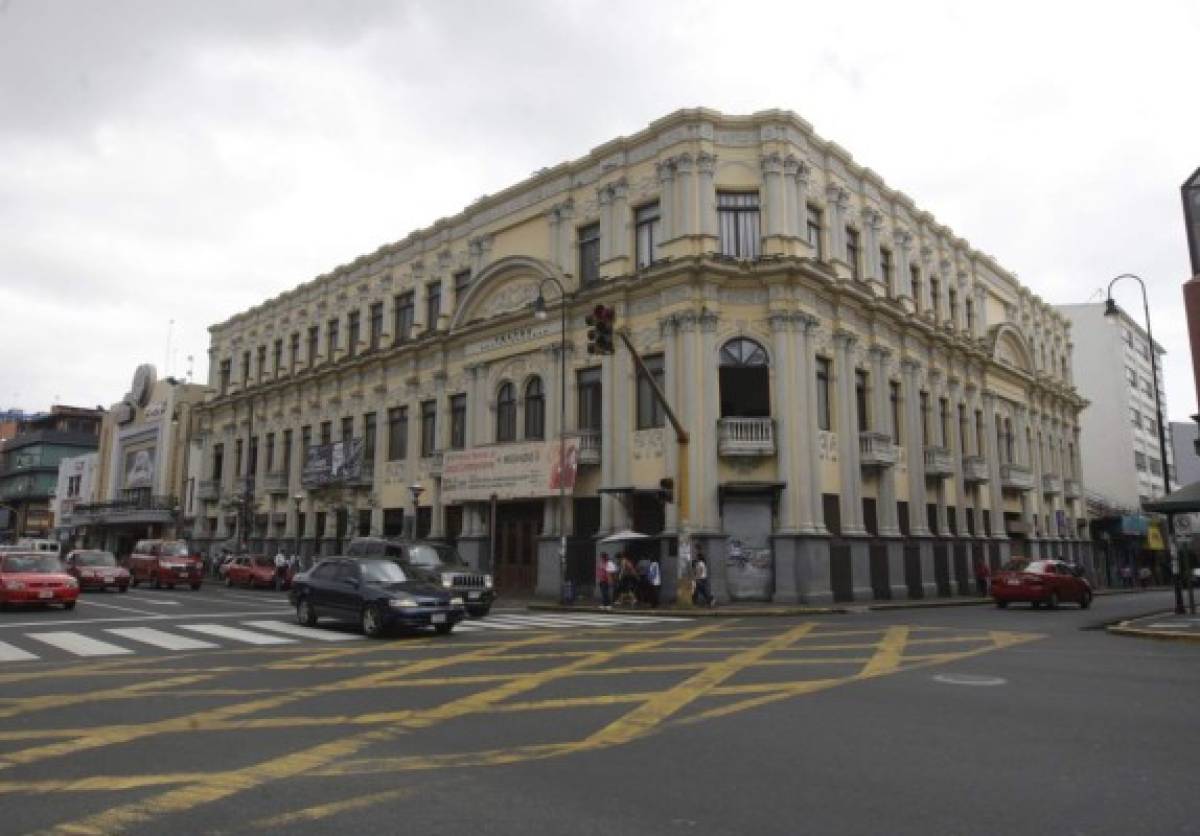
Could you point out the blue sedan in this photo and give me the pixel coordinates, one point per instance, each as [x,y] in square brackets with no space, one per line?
[377,594]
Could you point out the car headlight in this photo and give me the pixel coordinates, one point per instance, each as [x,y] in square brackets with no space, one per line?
[456,601]
[487,581]
[72,583]
[14,585]
[404,603]
[447,581]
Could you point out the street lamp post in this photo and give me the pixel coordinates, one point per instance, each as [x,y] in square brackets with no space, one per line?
[1111,309]
[297,499]
[539,311]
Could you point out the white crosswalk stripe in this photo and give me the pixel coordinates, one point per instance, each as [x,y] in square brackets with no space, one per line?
[9,653]
[79,644]
[160,638]
[304,632]
[223,631]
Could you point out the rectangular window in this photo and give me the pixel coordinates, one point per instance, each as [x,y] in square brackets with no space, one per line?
[293,351]
[1139,461]
[944,421]
[980,440]
[591,399]
[270,465]
[433,305]
[326,432]
[252,463]
[962,430]
[1132,376]
[1151,425]
[952,296]
[589,253]
[738,223]
[347,429]
[218,461]
[914,277]
[278,357]
[814,232]
[925,418]
[261,365]
[404,313]
[885,267]
[853,252]
[462,282]
[458,422]
[331,338]
[397,433]
[237,458]
[935,295]
[314,340]
[245,368]
[860,400]
[225,373]
[970,309]
[287,452]
[1135,417]
[375,327]
[305,445]
[648,227]
[894,395]
[353,333]
[369,441]
[649,410]
[823,412]
[1155,466]
[428,428]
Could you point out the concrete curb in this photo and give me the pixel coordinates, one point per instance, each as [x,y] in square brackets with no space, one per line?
[695,612]
[1123,628]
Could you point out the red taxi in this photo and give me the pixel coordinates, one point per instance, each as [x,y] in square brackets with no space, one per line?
[35,578]
[96,569]
[165,563]
[250,571]
[1048,582]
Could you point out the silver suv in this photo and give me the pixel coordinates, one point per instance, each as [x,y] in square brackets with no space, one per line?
[439,561]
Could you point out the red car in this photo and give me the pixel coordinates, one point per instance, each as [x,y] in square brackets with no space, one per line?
[35,578]
[250,571]
[165,563]
[97,570]
[1048,582]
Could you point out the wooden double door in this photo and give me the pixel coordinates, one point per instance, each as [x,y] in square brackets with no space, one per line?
[518,527]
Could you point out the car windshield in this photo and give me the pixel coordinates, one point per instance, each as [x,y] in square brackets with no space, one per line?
[95,559]
[31,563]
[431,557]
[381,571]
[264,561]
[175,549]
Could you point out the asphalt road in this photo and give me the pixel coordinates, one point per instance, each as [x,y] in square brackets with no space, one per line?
[956,721]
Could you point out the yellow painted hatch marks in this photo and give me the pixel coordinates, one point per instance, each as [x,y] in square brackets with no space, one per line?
[639,688]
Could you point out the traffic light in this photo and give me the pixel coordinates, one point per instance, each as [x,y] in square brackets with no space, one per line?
[666,489]
[600,330]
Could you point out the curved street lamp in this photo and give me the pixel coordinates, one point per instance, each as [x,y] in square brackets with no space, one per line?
[539,312]
[1111,309]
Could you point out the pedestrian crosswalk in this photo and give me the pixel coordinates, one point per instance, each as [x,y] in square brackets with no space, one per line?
[98,640]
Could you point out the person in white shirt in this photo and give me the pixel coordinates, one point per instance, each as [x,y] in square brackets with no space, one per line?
[280,569]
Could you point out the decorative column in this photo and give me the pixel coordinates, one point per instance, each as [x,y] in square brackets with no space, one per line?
[772,174]
[685,169]
[901,279]
[706,166]
[669,331]
[872,223]
[788,434]
[996,488]
[958,443]
[915,445]
[619,224]
[796,173]
[937,393]
[839,202]
[981,322]
[604,199]
[848,429]
[812,512]
[886,508]
[667,208]
[711,413]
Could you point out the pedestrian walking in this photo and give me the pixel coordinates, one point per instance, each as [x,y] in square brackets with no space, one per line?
[982,575]
[701,596]
[1127,576]
[654,576]
[627,582]
[280,569]
[602,581]
[1144,577]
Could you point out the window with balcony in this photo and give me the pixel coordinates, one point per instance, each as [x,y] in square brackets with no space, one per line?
[433,305]
[278,357]
[860,400]
[375,326]
[535,410]
[813,227]
[649,410]
[506,413]
[347,429]
[885,267]
[894,397]
[245,368]
[914,278]
[824,417]
[952,302]
[935,296]
[369,440]
[854,252]
[590,394]
[428,428]
[589,253]
[458,422]
[331,338]
[397,433]
[647,231]
[224,376]
[293,351]
[969,308]
[218,461]
[924,398]
[738,224]
[326,432]
[405,312]
[314,340]
[744,379]
[261,364]
[353,333]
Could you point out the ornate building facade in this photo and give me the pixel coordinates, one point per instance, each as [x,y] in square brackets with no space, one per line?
[873,406]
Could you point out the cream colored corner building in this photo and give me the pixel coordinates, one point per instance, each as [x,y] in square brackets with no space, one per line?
[873,406]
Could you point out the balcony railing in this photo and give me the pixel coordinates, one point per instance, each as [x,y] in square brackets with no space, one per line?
[975,470]
[939,462]
[1051,484]
[434,460]
[208,489]
[589,447]
[144,508]
[876,450]
[1071,489]
[276,482]
[1016,477]
[743,436]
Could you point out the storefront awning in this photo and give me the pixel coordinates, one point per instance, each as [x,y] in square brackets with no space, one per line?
[1183,501]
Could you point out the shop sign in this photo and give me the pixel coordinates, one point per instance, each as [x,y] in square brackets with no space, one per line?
[509,471]
[517,336]
[1154,539]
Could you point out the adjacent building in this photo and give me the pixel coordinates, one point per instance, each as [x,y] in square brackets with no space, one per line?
[76,487]
[1186,461]
[873,405]
[29,466]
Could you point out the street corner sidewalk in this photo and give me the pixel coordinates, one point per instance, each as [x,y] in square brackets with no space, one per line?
[740,609]
[1166,626]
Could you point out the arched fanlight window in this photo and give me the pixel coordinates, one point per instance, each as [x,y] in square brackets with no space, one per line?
[745,380]
[506,413]
[535,410]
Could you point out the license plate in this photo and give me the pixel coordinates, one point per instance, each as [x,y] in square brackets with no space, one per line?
[46,593]
[472,596]
[1013,582]
[438,618]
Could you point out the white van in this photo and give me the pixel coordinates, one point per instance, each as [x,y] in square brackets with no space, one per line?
[33,544]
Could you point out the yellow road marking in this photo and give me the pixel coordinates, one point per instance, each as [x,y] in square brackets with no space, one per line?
[324,811]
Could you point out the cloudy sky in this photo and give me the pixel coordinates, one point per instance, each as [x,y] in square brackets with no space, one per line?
[180,161]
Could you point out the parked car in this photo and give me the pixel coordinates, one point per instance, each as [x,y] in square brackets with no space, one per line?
[35,578]
[1048,582]
[95,569]
[165,563]
[251,571]
[378,594]
[441,561]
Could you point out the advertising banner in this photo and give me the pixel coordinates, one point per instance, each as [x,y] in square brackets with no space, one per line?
[330,463]
[509,471]
[139,468]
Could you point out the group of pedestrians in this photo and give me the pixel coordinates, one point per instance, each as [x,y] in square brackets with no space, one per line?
[623,582]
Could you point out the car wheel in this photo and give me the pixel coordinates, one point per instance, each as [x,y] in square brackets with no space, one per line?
[305,614]
[372,621]
[69,605]
[1085,600]
[1002,604]
[443,629]
[1052,602]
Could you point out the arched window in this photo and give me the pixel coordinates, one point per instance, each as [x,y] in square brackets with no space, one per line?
[535,410]
[745,380]
[506,413]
